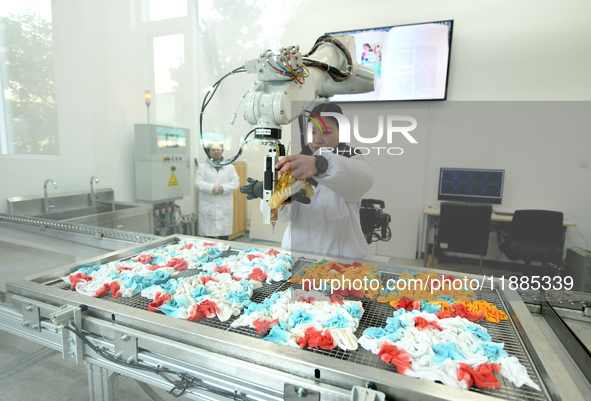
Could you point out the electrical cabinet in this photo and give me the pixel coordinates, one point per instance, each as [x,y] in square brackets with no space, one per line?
[162,163]
[578,266]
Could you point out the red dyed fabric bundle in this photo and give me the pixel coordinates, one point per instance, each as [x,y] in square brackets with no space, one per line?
[393,356]
[317,339]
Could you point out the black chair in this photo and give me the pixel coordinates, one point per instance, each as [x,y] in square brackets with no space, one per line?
[534,236]
[464,228]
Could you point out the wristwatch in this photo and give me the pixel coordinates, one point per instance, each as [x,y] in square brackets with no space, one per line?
[321,165]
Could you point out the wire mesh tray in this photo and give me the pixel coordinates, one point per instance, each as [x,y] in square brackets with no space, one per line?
[375,315]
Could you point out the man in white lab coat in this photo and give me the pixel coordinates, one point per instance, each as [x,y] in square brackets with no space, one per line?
[216,185]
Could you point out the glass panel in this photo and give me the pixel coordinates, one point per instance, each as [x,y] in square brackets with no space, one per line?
[230,33]
[28,114]
[170,140]
[169,77]
[166,9]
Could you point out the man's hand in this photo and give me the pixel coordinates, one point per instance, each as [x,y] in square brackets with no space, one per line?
[217,190]
[301,166]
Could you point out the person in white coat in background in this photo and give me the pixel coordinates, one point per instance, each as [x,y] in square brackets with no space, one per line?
[216,185]
[330,223]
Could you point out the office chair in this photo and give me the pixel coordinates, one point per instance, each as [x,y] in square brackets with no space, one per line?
[464,228]
[534,236]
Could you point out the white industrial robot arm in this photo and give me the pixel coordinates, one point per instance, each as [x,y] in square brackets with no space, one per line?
[287,83]
[285,79]
[287,76]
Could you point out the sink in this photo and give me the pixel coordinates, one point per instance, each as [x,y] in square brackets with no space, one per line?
[63,201]
[82,212]
[123,206]
[73,207]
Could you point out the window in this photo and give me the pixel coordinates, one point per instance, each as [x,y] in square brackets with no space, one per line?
[166,9]
[28,113]
[169,82]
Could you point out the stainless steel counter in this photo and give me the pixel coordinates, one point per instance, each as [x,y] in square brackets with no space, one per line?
[31,246]
[232,359]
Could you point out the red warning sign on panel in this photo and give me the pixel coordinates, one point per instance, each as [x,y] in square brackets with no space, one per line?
[173,182]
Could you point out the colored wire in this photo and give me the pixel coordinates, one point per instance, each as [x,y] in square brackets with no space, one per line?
[208,96]
[295,76]
[268,65]
[280,66]
[292,70]
[286,70]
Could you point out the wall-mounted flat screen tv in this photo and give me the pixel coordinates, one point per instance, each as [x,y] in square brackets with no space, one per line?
[411,61]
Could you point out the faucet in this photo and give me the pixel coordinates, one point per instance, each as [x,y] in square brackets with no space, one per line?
[93,197]
[46,203]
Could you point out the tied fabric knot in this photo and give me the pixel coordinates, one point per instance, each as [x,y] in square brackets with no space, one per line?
[160,299]
[257,274]
[206,279]
[206,308]
[393,356]
[144,259]
[462,311]
[445,315]
[406,303]
[263,326]
[491,312]
[115,287]
[78,277]
[102,291]
[422,324]
[337,299]
[482,376]
[222,269]
[250,256]
[178,264]
[317,339]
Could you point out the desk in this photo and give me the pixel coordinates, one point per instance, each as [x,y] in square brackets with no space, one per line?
[432,214]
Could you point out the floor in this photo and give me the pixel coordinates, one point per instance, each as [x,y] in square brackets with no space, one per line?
[24,253]
[31,372]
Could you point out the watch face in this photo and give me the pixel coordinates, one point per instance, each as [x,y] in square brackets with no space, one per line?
[321,164]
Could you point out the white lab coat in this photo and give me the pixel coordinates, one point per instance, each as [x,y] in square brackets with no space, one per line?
[330,224]
[216,211]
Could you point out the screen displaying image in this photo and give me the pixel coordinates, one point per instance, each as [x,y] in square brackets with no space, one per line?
[411,61]
[372,57]
[471,185]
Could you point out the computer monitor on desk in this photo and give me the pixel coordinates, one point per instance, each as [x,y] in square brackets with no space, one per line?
[471,185]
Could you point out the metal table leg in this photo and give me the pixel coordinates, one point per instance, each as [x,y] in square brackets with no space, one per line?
[102,383]
[426,239]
